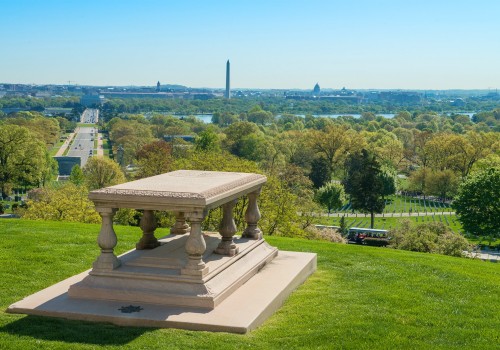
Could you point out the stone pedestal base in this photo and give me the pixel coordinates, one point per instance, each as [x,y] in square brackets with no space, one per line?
[243,310]
[159,276]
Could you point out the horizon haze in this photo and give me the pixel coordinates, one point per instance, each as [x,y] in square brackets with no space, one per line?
[360,44]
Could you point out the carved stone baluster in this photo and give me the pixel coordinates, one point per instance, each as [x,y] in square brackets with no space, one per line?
[252,217]
[180,227]
[195,247]
[107,240]
[227,229]
[148,226]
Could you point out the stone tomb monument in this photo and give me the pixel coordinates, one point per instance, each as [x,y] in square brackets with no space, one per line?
[188,279]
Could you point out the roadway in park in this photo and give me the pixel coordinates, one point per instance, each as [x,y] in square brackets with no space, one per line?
[90,116]
[83,143]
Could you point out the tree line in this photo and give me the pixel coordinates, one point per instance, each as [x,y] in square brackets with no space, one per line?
[304,157]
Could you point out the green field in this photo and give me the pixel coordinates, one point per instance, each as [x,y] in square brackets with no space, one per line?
[405,204]
[56,147]
[388,222]
[105,146]
[359,298]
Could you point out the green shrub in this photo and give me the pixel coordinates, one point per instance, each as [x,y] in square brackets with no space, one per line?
[450,243]
[428,238]
[126,216]
[376,242]
[326,234]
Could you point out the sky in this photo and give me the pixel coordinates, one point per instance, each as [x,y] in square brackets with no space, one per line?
[357,44]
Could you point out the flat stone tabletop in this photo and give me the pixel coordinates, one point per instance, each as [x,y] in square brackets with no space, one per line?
[207,189]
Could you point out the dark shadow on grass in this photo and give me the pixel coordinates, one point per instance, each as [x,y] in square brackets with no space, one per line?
[56,329]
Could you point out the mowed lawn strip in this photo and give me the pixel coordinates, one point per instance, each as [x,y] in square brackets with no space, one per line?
[360,298]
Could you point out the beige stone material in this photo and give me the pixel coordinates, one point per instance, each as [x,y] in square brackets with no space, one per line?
[188,279]
[245,309]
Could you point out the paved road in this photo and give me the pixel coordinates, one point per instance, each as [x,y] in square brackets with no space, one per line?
[83,143]
[90,116]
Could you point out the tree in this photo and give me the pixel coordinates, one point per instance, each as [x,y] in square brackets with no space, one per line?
[331,195]
[259,116]
[236,136]
[207,140]
[131,135]
[102,172]
[154,158]
[45,129]
[389,183]
[442,183]
[66,203]
[320,171]
[477,203]
[335,143]
[23,158]
[364,183]
[418,182]
[76,176]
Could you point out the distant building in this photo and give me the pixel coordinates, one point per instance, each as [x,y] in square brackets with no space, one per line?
[158,87]
[182,95]
[316,90]
[459,102]
[228,81]
[67,163]
[91,100]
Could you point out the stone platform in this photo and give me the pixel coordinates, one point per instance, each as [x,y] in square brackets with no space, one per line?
[189,279]
[155,276]
[245,309]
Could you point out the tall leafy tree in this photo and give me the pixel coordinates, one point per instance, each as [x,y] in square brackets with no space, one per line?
[207,140]
[22,158]
[65,203]
[154,158]
[102,172]
[364,183]
[320,171]
[331,195]
[76,176]
[477,203]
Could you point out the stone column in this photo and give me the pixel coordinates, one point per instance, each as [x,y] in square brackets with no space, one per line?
[227,229]
[180,227]
[252,217]
[107,240]
[148,226]
[195,247]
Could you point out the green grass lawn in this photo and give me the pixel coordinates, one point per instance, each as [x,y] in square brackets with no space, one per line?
[359,298]
[406,204]
[57,146]
[388,222]
[105,146]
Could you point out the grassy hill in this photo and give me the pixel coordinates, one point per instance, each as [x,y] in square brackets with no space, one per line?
[360,298]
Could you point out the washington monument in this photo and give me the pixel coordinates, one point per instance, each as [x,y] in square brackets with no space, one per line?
[228,81]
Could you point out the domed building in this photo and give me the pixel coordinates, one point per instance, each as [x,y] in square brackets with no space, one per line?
[316,89]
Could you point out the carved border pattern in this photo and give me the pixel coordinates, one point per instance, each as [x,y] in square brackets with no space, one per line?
[148,193]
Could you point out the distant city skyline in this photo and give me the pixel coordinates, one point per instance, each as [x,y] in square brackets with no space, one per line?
[359,44]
